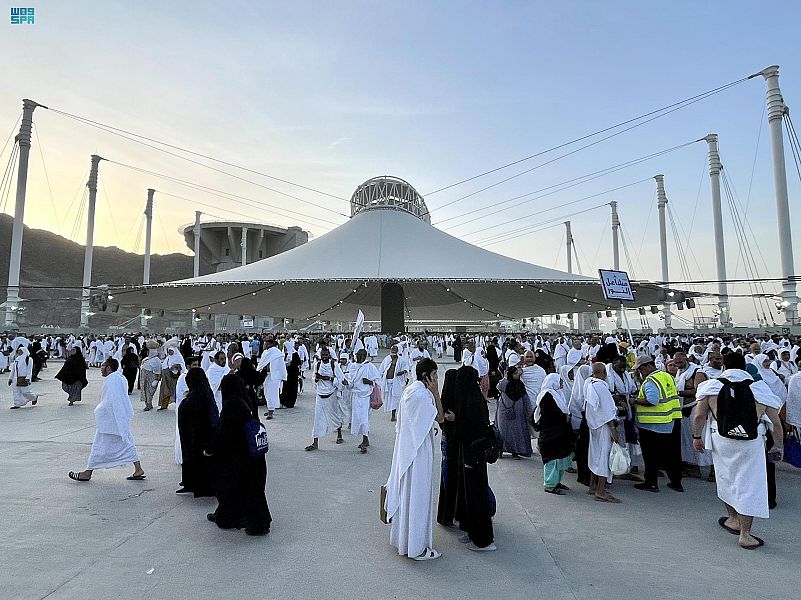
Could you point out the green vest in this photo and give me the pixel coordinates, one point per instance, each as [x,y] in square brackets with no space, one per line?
[669,407]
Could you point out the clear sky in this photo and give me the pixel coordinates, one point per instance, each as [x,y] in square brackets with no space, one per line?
[329,94]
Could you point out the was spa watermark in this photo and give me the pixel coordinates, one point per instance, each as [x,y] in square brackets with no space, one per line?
[22,16]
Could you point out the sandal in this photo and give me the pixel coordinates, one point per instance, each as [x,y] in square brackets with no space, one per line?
[136,477]
[311,447]
[557,491]
[428,554]
[76,476]
[609,499]
[562,486]
[759,544]
[732,530]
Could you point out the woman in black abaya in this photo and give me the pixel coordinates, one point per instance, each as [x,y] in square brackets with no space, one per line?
[241,477]
[73,375]
[449,479]
[197,418]
[252,380]
[130,367]
[457,349]
[472,423]
[289,391]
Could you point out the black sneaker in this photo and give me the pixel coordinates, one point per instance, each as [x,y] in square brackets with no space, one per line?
[646,487]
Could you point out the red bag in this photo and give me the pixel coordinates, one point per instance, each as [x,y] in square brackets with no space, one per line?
[375,397]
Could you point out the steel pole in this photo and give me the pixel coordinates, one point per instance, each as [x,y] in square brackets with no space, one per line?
[90,236]
[23,139]
[661,204]
[776,111]
[569,243]
[616,255]
[148,234]
[196,271]
[717,221]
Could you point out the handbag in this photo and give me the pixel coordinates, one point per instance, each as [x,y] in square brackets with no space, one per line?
[21,380]
[256,436]
[489,447]
[619,460]
[375,397]
[792,449]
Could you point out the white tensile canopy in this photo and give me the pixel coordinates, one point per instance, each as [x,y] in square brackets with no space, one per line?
[335,275]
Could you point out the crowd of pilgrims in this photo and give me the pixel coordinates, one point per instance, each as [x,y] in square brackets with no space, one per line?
[574,396]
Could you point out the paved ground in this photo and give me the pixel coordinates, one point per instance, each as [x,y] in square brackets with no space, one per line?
[113,538]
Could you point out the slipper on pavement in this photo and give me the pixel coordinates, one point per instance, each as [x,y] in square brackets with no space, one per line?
[732,530]
[429,554]
[759,544]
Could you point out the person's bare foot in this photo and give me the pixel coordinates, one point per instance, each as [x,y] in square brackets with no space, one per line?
[750,542]
[607,498]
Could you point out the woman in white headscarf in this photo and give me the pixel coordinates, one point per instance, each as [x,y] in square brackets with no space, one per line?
[20,379]
[769,376]
[555,440]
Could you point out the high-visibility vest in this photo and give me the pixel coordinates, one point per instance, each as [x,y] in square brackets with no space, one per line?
[669,407]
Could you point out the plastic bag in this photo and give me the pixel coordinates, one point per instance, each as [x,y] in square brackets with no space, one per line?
[619,460]
[375,397]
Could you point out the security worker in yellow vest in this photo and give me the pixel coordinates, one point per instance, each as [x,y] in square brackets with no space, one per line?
[658,407]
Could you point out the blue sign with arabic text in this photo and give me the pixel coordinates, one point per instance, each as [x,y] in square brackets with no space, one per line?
[616,285]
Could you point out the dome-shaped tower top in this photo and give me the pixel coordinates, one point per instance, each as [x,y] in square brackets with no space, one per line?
[393,192]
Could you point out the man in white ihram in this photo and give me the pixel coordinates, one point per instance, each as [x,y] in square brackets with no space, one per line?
[113,445]
[215,372]
[600,411]
[740,464]
[273,361]
[409,502]
[362,376]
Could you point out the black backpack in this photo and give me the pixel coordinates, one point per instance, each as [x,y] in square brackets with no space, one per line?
[736,410]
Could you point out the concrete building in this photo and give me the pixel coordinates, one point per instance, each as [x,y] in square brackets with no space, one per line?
[228,244]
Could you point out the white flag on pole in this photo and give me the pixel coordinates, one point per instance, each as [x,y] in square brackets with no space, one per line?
[357,331]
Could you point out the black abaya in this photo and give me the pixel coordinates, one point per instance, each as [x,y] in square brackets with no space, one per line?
[457,349]
[130,369]
[583,452]
[472,420]
[252,380]
[289,391]
[450,471]
[241,477]
[196,428]
[494,374]
[555,438]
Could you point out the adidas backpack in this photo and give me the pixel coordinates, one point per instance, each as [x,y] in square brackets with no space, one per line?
[736,411]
